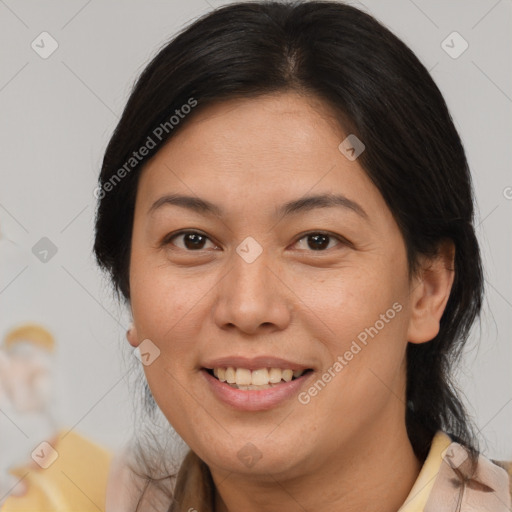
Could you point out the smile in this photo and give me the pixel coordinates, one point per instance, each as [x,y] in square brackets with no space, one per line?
[272,386]
[262,378]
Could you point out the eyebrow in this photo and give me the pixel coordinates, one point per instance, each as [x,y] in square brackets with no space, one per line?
[304,204]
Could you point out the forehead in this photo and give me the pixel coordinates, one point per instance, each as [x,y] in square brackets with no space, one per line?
[281,122]
[262,140]
[253,154]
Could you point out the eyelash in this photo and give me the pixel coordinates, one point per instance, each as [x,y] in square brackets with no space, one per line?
[342,241]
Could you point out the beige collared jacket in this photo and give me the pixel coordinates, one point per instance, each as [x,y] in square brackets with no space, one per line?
[445,483]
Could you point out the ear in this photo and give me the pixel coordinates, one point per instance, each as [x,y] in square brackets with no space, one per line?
[131,336]
[430,291]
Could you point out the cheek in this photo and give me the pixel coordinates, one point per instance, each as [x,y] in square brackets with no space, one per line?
[165,308]
[360,302]
[367,317]
[161,300]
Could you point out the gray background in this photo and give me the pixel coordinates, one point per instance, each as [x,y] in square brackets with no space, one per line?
[58,113]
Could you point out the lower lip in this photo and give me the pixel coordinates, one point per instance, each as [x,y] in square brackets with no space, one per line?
[255,400]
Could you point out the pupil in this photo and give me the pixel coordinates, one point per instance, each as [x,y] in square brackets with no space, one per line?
[196,240]
[320,240]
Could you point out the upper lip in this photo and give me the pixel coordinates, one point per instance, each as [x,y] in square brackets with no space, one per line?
[254,363]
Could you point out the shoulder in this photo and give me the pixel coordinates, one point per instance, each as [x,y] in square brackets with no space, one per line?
[507,466]
[473,480]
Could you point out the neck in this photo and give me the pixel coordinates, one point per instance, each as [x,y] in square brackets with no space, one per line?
[375,472]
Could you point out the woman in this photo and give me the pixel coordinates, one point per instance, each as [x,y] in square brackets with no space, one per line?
[287,210]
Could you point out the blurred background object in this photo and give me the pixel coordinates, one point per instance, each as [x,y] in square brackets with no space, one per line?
[27,417]
[37,455]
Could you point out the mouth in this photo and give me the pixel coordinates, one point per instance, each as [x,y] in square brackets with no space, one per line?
[259,379]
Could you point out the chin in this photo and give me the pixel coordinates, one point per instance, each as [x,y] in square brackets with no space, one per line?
[256,456]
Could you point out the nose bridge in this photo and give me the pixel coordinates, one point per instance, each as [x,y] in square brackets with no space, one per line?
[251,272]
[251,294]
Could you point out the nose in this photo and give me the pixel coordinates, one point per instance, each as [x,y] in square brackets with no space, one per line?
[252,297]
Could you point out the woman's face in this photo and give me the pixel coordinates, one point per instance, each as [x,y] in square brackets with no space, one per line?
[320,286]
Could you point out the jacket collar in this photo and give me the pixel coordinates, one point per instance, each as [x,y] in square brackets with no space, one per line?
[446,483]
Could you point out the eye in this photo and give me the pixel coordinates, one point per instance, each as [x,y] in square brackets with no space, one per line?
[192,240]
[320,241]
[196,241]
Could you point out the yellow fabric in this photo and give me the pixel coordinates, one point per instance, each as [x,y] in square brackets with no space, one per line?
[76,481]
[33,333]
[418,496]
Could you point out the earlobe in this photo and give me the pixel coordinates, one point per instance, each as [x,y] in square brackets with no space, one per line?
[131,336]
[430,292]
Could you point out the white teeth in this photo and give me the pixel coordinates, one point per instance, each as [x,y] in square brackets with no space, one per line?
[287,375]
[230,375]
[261,378]
[275,375]
[243,377]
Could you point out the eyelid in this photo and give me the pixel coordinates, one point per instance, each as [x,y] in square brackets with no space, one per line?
[342,240]
[167,238]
